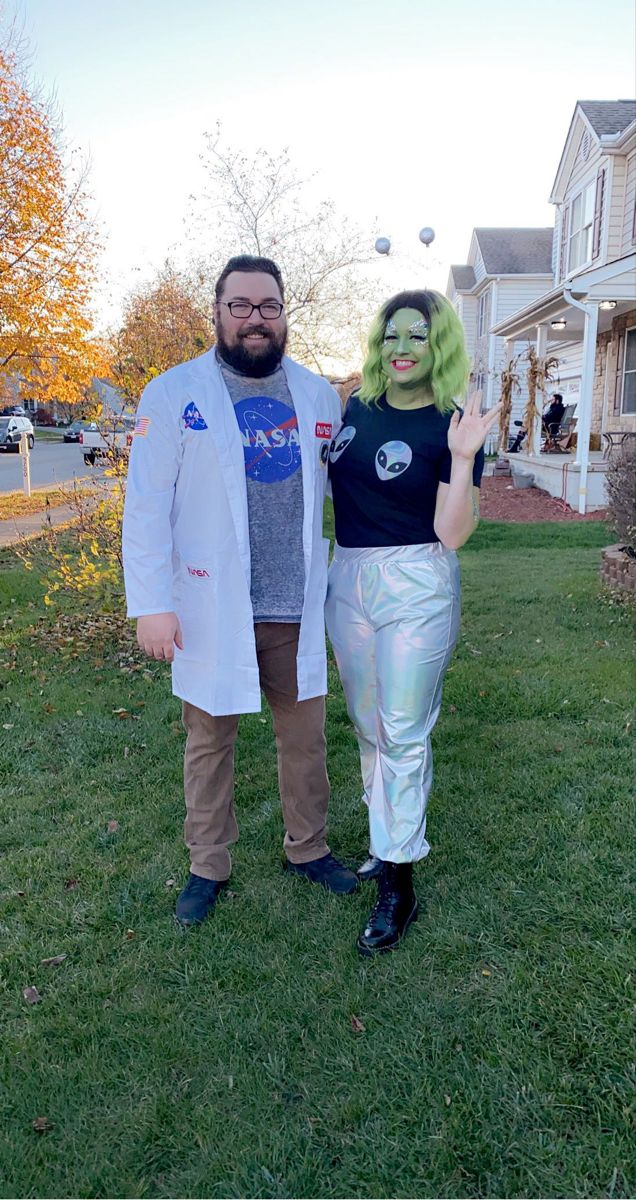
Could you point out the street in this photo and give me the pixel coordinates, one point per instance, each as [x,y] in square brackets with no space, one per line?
[51,463]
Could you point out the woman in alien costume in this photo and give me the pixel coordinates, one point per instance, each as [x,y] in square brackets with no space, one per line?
[405,471]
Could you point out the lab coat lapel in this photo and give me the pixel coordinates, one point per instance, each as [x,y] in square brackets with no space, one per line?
[229,448]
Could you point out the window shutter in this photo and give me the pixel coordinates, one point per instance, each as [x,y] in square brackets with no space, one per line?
[618,382]
[563,257]
[598,213]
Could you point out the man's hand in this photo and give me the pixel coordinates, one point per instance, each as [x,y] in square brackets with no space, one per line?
[159,634]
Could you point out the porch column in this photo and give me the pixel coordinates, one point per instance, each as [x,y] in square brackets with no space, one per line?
[584,422]
[542,346]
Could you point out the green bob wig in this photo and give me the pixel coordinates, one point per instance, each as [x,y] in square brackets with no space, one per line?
[450,365]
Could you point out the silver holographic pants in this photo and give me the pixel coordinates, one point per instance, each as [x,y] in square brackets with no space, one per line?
[393,619]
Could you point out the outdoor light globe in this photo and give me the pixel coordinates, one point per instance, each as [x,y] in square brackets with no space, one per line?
[427,235]
[383,245]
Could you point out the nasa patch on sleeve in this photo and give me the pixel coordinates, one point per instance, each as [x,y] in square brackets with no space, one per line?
[323,429]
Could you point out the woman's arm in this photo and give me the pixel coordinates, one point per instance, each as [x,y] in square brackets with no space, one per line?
[457,507]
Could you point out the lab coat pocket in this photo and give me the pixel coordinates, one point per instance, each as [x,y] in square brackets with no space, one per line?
[196,589]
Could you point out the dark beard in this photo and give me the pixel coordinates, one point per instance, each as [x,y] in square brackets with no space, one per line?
[245,361]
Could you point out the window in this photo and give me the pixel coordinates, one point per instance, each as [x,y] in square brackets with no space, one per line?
[628,407]
[581,222]
[484,307]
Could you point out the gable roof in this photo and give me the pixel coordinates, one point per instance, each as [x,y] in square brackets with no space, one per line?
[608,117]
[463,278]
[516,251]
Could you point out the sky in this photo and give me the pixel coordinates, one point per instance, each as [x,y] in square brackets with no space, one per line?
[406,113]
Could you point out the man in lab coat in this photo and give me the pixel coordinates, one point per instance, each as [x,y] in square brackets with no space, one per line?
[226,569]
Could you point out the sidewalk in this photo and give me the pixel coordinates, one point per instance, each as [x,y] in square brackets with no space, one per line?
[15,528]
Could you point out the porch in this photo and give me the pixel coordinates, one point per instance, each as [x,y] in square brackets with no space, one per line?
[583,309]
[560,475]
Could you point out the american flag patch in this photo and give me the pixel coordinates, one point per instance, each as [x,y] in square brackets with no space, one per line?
[141,426]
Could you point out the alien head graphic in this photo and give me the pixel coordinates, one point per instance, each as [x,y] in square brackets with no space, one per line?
[392,459]
[341,441]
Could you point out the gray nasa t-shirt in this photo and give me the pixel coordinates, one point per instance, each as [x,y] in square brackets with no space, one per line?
[273,471]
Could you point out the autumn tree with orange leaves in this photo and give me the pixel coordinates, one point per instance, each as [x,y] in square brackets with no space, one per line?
[48,247]
[164,323]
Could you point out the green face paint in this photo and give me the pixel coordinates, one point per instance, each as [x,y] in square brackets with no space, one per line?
[405,352]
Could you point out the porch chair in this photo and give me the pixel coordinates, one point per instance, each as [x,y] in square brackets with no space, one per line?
[560,440]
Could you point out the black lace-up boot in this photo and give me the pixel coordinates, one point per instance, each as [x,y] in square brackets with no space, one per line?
[393,911]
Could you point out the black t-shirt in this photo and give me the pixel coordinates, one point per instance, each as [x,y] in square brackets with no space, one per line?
[384,467]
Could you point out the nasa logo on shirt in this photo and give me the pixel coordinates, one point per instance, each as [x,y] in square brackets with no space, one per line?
[392,459]
[271,444]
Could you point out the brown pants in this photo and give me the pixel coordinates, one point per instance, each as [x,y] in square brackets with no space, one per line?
[210,825]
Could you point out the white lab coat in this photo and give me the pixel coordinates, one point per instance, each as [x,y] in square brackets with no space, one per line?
[186,535]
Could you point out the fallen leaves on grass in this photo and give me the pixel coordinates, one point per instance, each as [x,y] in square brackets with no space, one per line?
[129,935]
[42,1124]
[69,884]
[109,638]
[54,961]
[356,1025]
[112,826]
[170,883]
[31,995]
[447,1100]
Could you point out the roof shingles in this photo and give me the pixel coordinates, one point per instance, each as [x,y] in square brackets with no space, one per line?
[508,252]
[609,117]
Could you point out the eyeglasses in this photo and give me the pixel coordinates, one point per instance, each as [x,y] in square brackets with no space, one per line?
[270,310]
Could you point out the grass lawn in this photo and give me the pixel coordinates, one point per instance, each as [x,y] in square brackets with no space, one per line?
[48,433]
[493,1055]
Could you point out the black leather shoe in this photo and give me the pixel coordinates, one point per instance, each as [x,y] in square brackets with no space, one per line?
[394,910]
[333,875]
[197,899]
[370,869]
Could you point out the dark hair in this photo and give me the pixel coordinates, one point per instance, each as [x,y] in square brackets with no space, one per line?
[249,263]
[557,396]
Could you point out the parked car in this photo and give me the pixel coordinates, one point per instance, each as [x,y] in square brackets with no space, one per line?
[11,430]
[72,433]
[13,410]
[111,439]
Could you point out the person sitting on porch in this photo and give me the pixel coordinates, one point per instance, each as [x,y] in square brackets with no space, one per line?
[553,415]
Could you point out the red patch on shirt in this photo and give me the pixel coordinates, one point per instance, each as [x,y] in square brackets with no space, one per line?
[323,429]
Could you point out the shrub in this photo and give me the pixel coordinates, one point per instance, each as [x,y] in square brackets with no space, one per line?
[43,416]
[621,492]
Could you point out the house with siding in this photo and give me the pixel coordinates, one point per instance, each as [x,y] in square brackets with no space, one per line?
[587,317]
[506,270]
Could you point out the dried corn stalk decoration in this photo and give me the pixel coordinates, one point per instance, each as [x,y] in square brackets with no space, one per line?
[509,385]
[540,372]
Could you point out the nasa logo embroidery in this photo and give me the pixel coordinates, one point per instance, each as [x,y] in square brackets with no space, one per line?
[192,418]
[392,459]
[323,429]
